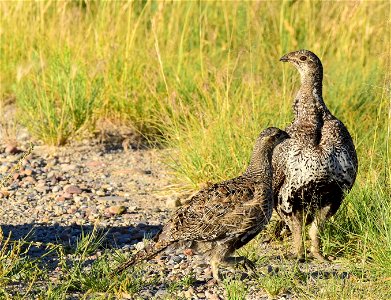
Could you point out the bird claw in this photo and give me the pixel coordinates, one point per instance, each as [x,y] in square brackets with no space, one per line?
[248,264]
[319,257]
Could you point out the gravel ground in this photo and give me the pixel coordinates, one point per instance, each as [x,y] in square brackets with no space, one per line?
[58,193]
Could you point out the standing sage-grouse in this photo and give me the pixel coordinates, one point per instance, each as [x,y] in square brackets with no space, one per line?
[318,164]
[225,216]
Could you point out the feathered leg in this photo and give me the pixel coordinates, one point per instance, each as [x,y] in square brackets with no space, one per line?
[319,220]
[222,258]
[295,224]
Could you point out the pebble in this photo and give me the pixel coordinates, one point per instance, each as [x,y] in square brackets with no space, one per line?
[188,252]
[28,172]
[211,296]
[173,202]
[177,259]
[11,149]
[3,169]
[116,210]
[111,199]
[4,194]
[189,293]
[140,246]
[60,199]
[100,193]
[67,195]
[161,293]
[29,179]
[72,189]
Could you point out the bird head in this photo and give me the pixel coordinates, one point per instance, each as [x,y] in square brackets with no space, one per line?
[261,159]
[306,62]
[272,136]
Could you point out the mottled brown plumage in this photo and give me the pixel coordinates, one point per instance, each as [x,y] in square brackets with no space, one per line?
[317,166]
[225,216]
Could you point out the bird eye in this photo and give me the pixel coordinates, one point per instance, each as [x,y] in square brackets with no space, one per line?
[303,58]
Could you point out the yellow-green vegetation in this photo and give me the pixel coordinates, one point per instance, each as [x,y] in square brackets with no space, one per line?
[204,79]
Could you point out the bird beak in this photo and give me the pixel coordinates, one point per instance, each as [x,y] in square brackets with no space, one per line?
[285,58]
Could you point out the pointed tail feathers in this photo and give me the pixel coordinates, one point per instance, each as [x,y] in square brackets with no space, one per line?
[149,252]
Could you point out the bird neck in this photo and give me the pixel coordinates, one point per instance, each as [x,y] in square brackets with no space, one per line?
[260,163]
[309,101]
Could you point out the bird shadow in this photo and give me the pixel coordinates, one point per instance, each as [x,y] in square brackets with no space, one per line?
[37,240]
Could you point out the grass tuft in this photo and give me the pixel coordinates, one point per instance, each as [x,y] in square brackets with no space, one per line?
[57,99]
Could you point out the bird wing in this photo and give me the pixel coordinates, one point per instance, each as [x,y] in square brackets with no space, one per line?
[279,162]
[215,212]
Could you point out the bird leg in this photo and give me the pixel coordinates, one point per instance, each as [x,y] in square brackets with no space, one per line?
[314,233]
[234,261]
[296,226]
[230,261]
[214,264]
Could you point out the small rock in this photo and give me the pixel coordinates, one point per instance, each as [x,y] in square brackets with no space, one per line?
[173,202]
[132,208]
[177,259]
[68,167]
[73,189]
[3,169]
[111,199]
[11,149]
[28,172]
[208,272]
[4,194]
[161,293]
[188,252]
[189,293]
[95,164]
[67,195]
[71,210]
[51,175]
[29,179]
[116,209]
[139,246]
[100,193]
[211,296]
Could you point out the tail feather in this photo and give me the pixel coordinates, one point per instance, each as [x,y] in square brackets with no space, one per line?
[149,252]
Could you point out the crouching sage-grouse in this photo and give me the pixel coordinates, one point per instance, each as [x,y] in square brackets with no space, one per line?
[225,216]
[317,165]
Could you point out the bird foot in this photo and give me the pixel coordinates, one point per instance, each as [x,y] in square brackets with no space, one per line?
[318,256]
[247,264]
[242,261]
[233,262]
[292,256]
[212,282]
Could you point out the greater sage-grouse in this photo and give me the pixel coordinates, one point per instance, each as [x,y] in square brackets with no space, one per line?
[317,166]
[225,216]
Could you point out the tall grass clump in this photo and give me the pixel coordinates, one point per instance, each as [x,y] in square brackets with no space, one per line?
[58,99]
